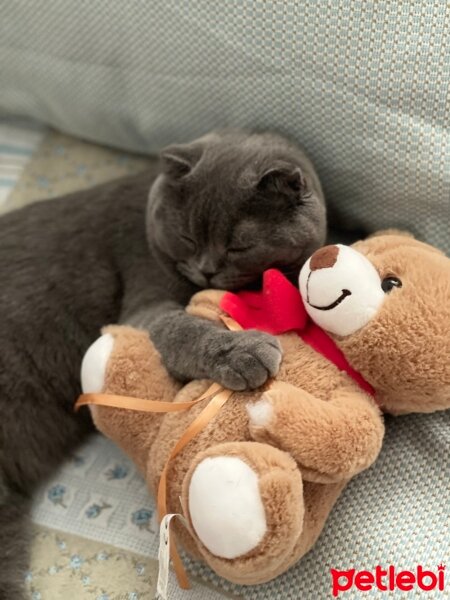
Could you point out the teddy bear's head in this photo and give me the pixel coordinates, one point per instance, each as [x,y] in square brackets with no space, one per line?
[386,303]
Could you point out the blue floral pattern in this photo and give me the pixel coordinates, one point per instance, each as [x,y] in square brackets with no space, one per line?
[142,519]
[119,471]
[67,566]
[76,561]
[102,556]
[78,460]
[56,494]
[95,510]
[53,570]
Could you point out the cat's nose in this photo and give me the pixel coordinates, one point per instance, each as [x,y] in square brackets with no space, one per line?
[207,266]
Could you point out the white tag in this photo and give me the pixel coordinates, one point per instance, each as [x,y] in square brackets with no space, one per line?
[164,555]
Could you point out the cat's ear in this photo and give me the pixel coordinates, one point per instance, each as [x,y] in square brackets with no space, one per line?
[179,160]
[283,178]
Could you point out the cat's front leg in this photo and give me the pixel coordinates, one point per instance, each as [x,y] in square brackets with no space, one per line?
[197,348]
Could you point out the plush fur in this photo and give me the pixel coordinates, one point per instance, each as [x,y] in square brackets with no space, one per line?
[306,434]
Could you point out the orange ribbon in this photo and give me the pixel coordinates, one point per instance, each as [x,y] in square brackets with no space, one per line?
[141,405]
[217,396]
[199,423]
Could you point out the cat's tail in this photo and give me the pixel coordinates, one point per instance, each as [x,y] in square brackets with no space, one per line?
[14,544]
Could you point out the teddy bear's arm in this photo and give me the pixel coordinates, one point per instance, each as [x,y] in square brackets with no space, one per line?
[330,441]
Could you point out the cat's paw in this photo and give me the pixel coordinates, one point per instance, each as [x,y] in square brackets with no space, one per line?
[247,359]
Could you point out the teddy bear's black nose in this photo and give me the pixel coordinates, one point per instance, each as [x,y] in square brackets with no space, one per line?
[325,258]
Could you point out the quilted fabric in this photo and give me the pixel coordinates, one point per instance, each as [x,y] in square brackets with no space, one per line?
[362,85]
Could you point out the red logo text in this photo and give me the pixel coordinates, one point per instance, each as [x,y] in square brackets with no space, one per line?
[388,580]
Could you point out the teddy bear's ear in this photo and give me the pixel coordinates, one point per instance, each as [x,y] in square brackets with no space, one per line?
[409,240]
[391,232]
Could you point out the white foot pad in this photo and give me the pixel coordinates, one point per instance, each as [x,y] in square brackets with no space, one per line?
[93,367]
[260,413]
[226,507]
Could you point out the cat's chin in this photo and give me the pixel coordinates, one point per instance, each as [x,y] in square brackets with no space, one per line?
[238,282]
[254,281]
[235,283]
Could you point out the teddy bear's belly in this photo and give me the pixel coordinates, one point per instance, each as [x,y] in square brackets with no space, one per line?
[307,369]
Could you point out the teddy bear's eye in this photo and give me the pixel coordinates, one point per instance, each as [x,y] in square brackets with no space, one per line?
[389,283]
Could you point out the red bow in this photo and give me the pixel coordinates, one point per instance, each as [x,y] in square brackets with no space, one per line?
[278,308]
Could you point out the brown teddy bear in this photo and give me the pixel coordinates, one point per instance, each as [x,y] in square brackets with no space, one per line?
[257,483]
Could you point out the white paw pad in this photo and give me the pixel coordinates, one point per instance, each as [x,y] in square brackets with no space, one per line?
[93,367]
[260,413]
[226,507]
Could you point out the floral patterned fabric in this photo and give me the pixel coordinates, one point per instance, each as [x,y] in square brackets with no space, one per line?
[64,164]
[68,566]
[97,532]
[98,493]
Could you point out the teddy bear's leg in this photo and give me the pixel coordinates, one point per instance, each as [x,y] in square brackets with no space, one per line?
[244,503]
[319,500]
[123,361]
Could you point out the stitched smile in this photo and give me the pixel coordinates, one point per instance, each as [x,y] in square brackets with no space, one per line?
[342,297]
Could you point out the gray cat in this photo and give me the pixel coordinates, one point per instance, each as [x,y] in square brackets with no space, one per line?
[222,210]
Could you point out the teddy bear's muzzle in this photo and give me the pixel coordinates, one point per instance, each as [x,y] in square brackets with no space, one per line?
[341,289]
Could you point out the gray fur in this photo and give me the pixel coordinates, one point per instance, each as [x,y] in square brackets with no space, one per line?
[70,266]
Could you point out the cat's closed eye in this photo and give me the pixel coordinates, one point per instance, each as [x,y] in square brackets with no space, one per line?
[240,249]
[189,242]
